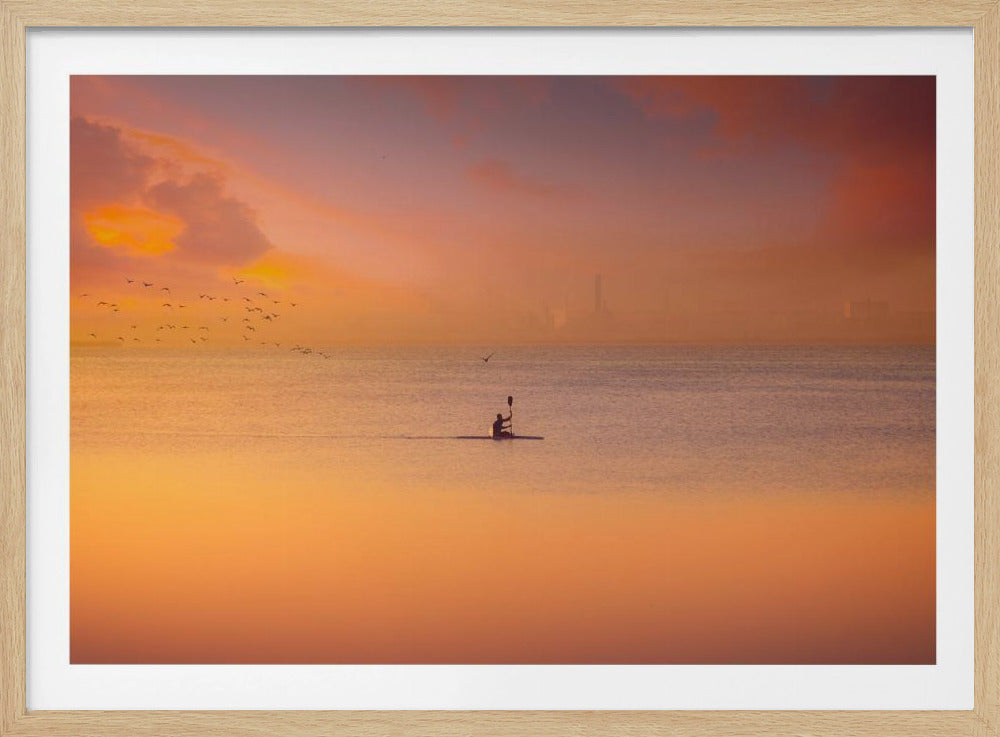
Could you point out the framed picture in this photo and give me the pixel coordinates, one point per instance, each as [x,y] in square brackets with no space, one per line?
[478,380]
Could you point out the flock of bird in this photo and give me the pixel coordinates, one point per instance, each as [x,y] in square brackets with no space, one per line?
[250,313]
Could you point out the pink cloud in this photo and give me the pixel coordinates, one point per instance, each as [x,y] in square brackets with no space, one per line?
[102,166]
[218,229]
[497,176]
[110,171]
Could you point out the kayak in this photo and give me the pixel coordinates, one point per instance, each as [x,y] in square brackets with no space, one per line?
[505,437]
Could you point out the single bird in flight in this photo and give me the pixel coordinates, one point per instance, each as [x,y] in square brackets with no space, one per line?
[486,359]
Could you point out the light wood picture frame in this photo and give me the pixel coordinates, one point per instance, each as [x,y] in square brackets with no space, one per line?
[17,16]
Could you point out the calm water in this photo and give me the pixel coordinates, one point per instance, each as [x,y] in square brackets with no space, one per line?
[688,505]
[650,419]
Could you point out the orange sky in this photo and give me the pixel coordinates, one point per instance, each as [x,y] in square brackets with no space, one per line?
[479,209]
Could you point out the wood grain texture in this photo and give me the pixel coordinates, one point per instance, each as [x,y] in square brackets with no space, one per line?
[503,723]
[988,367]
[493,13]
[15,15]
[12,386]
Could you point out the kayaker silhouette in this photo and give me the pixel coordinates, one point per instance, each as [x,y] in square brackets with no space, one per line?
[500,426]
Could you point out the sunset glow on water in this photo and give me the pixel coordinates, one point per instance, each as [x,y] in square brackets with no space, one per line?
[687,505]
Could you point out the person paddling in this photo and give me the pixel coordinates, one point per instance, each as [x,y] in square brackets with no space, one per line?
[501,427]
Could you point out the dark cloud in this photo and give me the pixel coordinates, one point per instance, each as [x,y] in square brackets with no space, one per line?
[874,136]
[102,166]
[218,229]
[873,117]
[106,169]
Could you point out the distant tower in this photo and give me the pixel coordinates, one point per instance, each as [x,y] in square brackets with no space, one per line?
[598,303]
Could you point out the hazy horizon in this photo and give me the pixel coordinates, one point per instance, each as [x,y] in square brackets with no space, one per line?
[481,210]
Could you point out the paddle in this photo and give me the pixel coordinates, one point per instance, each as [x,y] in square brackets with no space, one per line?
[510,406]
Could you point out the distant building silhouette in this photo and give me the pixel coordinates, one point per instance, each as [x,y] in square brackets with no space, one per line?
[866,310]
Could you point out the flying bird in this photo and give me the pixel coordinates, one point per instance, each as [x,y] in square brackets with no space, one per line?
[165,289]
[262,294]
[147,284]
[130,281]
[486,359]
[238,281]
[93,336]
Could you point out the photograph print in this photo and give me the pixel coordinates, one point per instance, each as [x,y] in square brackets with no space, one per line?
[502,370]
